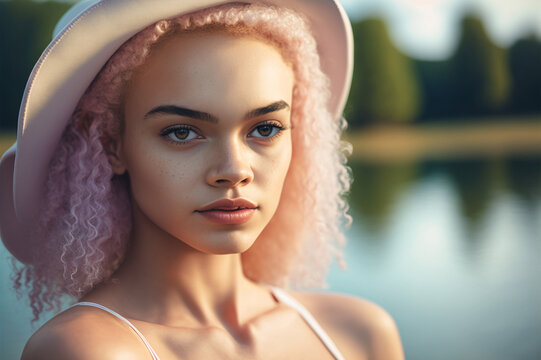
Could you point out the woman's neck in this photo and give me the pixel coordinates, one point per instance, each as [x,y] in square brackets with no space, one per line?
[165,281]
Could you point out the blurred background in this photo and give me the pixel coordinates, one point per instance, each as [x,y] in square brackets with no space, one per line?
[445,119]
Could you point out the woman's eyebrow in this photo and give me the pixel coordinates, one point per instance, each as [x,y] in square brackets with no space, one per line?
[200,115]
[275,106]
[181,111]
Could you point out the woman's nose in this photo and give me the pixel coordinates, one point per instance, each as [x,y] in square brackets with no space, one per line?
[231,168]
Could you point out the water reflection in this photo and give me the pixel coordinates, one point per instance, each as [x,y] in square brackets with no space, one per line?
[473,180]
[454,256]
[524,178]
[377,188]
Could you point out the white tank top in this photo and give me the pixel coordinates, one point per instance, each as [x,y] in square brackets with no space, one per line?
[278,293]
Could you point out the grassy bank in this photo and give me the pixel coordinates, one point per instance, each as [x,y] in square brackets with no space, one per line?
[410,143]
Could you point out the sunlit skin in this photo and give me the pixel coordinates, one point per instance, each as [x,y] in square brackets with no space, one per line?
[207,117]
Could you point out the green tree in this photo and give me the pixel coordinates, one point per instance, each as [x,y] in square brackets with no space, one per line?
[436,89]
[525,65]
[384,87]
[479,71]
[26,29]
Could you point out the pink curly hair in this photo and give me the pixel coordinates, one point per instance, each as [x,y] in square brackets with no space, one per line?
[87,218]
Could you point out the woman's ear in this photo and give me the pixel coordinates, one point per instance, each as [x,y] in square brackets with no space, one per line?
[115,156]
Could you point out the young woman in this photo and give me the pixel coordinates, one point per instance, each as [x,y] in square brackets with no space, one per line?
[173,175]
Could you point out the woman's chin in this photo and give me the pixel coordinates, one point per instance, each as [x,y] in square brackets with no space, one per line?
[226,244]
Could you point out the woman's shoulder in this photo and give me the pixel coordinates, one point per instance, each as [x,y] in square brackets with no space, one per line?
[82,333]
[359,328]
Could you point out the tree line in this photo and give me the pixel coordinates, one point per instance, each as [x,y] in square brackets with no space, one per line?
[479,80]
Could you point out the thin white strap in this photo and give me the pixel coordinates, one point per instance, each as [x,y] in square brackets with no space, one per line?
[287,299]
[114,313]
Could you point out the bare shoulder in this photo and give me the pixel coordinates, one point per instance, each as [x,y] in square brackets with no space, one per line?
[360,328]
[82,333]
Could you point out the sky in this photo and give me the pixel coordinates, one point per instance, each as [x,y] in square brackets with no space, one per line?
[428,29]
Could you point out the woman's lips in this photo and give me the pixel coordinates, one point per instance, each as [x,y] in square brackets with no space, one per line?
[229,211]
[228,217]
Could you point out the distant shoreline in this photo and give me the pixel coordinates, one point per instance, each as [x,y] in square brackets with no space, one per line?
[430,141]
[444,141]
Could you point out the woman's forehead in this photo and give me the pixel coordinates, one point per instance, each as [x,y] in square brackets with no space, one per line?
[214,41]
[213,68]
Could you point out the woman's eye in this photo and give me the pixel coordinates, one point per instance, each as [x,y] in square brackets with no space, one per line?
[179,134]
[266,131]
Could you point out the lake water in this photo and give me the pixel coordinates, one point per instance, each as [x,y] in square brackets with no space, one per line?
[451,249]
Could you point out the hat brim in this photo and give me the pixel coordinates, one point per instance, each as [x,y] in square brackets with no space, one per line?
[61,76]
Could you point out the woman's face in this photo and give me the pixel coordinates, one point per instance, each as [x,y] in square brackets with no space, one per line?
[207,118]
